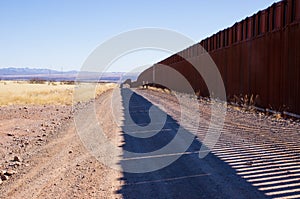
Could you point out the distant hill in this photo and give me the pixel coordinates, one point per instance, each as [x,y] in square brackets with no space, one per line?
[31,71]
[54,75]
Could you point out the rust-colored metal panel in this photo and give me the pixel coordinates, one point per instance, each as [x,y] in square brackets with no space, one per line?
[267,66]
[263,20]
[272,17]
[244,29]
[239,32]
[293,64]
[229,36]
[297,9]
[226,35]
[234,34]
[259,74]
[222,39]
[289,11]
[268,20]
[247,28]
[277,12]
[208,46]
[218,40]
[251,27]
[256,24]
[214,42]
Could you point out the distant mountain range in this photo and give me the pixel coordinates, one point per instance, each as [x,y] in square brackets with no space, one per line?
[54,75]
[31,71]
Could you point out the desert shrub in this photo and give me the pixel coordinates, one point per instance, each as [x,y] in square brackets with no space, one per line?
[68,82]
[37,81]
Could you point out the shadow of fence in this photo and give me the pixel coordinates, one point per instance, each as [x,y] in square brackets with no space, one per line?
[188,176]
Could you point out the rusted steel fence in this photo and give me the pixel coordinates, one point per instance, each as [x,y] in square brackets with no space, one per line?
[258,56]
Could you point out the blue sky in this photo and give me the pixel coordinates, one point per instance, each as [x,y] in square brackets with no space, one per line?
[60,34]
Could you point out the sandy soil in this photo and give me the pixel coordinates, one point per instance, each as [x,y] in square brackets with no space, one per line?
[257,156]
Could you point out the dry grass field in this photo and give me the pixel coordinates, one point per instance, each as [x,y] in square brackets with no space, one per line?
[55,93]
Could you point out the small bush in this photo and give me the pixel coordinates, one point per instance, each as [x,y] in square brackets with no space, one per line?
[37,81]
[67,82]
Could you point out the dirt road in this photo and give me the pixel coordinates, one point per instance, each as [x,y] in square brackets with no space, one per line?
[254,157]
[63,168]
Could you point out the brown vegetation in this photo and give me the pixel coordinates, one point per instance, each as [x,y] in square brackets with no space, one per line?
[40,93]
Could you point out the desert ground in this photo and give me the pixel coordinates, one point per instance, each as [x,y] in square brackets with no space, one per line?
[43,156]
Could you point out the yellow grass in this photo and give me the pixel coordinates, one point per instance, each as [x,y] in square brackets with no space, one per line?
[159,89]
[21,92]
